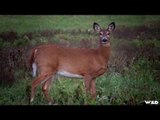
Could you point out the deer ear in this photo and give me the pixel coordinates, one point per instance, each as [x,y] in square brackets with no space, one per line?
[96,27]
[111,26]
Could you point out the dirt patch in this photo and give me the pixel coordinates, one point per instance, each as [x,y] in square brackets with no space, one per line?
[11,59]
[122,32]
[47,33]
[9,36]
[29,35]
[140,32]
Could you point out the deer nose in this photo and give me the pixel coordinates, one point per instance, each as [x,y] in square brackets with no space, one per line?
[104,40]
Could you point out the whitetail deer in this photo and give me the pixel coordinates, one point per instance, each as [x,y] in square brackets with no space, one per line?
[85,63]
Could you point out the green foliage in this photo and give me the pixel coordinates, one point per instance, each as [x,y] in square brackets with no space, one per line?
[29,23]
[67,91]
[137,85]
[14,95]
[130,84]
[133,88]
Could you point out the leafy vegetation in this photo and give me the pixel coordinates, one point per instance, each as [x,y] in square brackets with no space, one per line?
[133,69]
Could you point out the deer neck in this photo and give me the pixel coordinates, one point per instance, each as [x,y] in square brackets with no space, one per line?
[105,51]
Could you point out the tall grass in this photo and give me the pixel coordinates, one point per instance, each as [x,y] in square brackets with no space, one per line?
[137,85]
[133,74]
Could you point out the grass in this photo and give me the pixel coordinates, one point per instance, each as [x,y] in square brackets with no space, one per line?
[123,84]
[29,23]
[133,88]
[137,85]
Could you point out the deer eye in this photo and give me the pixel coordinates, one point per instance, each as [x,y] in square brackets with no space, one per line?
[108,33]
[100,33]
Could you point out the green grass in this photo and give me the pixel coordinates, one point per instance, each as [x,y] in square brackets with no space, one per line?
[137,84]
[134,85]
[29,23]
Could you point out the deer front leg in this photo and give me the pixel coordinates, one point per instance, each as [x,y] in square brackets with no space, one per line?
[93,81]
[93,89]
[87,80]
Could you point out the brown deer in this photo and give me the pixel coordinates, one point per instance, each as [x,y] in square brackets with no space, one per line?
[49,60]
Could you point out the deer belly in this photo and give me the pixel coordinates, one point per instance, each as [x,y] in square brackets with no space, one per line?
[68,74]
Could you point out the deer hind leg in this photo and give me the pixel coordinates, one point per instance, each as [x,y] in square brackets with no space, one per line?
[40,79]
[45,88]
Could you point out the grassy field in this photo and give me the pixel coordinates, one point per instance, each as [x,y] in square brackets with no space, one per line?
[28,23]
[133,69]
